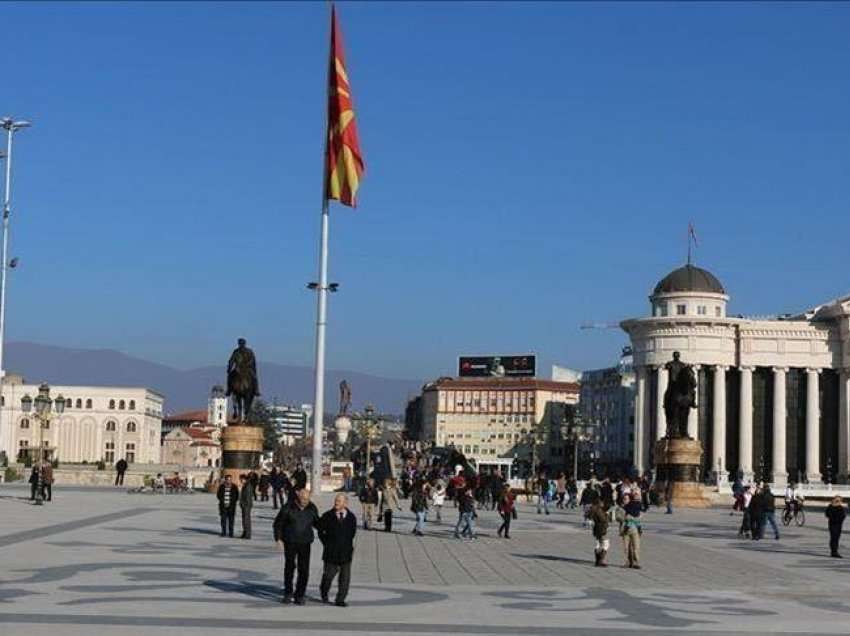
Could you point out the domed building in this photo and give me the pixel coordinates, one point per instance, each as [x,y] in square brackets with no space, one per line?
[772,393]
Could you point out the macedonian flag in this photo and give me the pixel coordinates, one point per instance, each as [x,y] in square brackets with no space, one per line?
[344,162]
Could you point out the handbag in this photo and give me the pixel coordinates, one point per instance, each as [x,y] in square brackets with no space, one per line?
[514,513]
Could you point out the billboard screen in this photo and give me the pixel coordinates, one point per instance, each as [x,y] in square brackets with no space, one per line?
[497,366]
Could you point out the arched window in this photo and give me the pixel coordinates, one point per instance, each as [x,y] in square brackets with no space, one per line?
[79,403]
[111,404]
[131,427]
[121,405]
[110,425]
[25,423]
[88,403]
[132,405]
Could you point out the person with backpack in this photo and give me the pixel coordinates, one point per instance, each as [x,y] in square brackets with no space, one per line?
[507,510]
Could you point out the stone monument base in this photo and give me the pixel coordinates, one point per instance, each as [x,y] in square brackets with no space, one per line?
[677,463]
[241,449]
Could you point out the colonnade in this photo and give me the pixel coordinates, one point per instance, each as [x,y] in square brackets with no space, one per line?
[778,453]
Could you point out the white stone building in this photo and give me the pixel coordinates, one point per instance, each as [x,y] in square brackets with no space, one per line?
[99,423]
[772,393]
[217,408]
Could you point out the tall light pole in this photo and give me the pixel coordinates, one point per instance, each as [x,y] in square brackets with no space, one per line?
[11,126]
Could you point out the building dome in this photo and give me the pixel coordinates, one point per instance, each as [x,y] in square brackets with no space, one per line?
[689,279]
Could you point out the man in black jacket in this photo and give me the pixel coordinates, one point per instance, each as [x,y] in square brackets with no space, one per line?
[120,469]
[293,533]
[337,528]
[246,503]
[228,495]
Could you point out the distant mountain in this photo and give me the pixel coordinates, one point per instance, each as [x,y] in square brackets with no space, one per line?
[190,389]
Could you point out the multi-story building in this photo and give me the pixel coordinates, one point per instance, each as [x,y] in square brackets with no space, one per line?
[607,403]
[99,423]
[494,421]
[773,395]
[290,422]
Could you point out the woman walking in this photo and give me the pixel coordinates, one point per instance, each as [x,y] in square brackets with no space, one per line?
[438,498]
[507,510]
[419,506]
[389,502]
[598,516]
[631,532]
[835,513]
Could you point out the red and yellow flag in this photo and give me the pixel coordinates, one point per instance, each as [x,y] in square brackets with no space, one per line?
[344,162]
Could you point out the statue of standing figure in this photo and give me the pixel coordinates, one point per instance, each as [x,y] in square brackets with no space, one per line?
[242,381]
[344,397]
[680,397]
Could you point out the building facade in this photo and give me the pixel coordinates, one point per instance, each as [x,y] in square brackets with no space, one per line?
[290,422]
[195,446]
[772,394]
[607,402]
[99,423]
[491,420]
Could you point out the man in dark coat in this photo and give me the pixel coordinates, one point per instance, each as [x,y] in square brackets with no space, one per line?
[293,533]
[246,503]
[337,528]
[120,469]
[228,495]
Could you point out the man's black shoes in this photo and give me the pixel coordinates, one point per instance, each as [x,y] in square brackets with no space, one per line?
[341,604]
[300,600]
[287,599]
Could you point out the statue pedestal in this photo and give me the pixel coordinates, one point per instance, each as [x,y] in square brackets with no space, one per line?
[677,461]
[241,450]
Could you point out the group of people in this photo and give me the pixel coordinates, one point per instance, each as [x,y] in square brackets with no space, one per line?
[295,527]
[41,481]
[758,505]
[622,505]
[429,492]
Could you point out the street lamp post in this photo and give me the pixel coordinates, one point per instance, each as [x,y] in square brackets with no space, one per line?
[577,434]
[45,409]
[369,428]
[11,126]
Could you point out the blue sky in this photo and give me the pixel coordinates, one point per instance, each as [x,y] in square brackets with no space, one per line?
[529,167]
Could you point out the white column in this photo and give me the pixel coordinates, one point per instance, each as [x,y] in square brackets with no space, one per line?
[718,431]
[640,401]
[780,475]
[693,414]
[843,471]
[647,417]
[745,433]
[813,473]
[661,388]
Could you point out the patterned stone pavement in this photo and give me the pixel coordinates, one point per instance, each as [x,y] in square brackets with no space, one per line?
[104,561]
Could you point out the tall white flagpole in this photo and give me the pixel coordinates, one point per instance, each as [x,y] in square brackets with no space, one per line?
[321,323]
[322,302]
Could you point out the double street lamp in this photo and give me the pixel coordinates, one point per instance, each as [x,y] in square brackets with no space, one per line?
[369,428]
[578,433]
[45,410]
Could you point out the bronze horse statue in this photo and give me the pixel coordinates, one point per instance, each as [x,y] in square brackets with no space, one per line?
[242,384]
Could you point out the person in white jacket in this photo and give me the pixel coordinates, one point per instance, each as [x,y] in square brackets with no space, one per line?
[438,498]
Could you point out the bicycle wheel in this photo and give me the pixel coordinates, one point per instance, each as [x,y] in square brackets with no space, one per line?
[800,518]
[786,517]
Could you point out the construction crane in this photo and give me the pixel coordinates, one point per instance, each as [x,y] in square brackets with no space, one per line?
[600,325]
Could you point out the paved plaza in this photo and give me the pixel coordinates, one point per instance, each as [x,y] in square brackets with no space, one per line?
[102,561]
